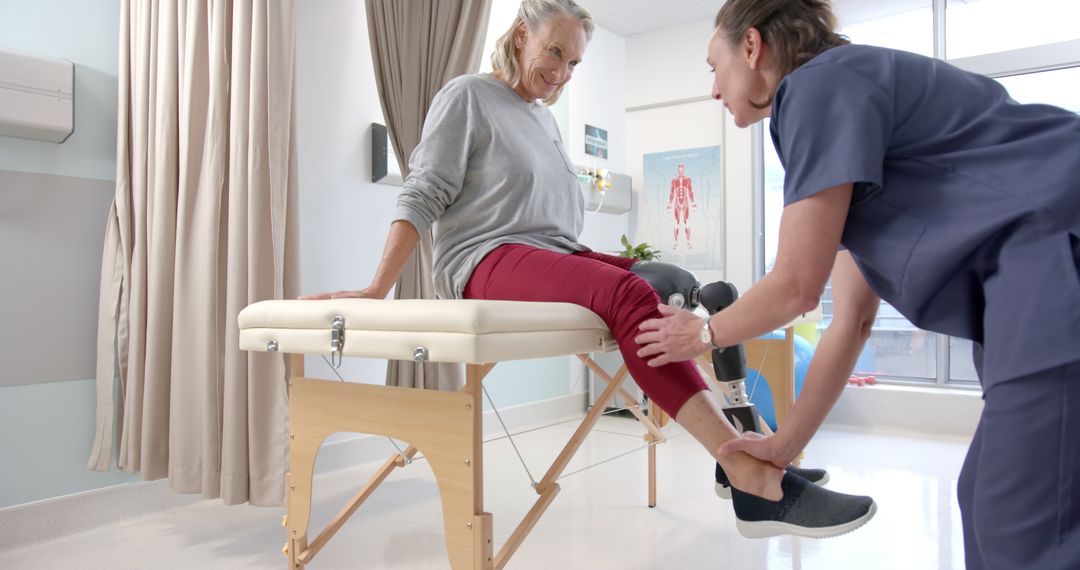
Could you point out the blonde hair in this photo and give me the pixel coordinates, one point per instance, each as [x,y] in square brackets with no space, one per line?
[535,13]
[796,30]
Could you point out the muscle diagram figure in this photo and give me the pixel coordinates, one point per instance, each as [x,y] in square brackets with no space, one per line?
[681,200]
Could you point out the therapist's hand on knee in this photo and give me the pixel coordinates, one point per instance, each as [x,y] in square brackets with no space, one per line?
[673,338]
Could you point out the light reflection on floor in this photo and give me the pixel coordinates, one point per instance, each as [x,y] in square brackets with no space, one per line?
[598,521]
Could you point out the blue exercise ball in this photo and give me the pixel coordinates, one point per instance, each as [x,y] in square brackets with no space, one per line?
[757,388]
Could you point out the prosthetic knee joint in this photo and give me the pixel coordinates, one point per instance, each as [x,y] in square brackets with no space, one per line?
[679,288]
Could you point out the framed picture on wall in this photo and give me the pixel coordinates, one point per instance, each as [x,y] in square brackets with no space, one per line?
[682,210]
[596,142]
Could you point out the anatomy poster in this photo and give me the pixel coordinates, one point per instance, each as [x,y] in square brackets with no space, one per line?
[682,207]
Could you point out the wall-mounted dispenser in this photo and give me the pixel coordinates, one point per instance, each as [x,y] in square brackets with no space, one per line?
[605,191]
[37,97]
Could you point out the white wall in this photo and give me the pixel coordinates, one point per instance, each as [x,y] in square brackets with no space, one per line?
[47,427]
[667,65]
[344,217]
[594,96]
[84,33]
[667,98]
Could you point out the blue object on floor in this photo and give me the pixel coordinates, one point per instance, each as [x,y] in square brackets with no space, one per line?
[757,388]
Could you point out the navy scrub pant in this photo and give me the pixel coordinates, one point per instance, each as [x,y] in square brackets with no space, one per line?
[1019,489]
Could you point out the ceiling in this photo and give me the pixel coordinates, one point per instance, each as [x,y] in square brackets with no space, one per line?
[630,17]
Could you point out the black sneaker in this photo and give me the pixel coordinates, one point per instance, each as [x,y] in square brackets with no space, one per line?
[816,476]
[805,510]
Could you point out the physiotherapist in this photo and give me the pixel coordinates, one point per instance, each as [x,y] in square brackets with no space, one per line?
[955,204]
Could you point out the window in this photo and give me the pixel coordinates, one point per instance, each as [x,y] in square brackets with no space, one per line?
[906,25]
[773,194]
[1060,88]
[961,364]
[1005,39]
[896,348]
[1050,87]
[979,27]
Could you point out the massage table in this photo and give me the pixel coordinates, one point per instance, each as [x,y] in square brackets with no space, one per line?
[445,427]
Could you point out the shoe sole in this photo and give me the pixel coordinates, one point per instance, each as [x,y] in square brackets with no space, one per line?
[724,491]
[767,529]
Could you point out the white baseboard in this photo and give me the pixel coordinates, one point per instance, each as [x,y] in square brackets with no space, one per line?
[909,410]
[39,521]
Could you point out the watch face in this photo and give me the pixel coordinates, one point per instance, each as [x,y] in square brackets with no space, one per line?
[706,335]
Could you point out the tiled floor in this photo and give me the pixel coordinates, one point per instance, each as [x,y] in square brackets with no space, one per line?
[598,521]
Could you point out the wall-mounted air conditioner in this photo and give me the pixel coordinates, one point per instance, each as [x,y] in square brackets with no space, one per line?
[37,97]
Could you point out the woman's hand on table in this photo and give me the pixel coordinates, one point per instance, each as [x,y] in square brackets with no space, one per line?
[367,293]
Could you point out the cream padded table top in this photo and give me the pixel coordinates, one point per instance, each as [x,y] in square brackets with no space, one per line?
[470,331]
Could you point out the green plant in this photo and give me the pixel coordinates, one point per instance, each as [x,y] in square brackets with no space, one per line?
[642,251]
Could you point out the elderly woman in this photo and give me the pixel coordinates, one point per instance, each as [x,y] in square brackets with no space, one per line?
[958,206]
[492,179]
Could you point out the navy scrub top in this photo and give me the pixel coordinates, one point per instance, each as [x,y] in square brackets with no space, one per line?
[966,210]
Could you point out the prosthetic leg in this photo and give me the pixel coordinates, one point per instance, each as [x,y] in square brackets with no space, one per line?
[680,289]
[729,363]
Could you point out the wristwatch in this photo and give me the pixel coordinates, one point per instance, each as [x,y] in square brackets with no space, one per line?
[706,335]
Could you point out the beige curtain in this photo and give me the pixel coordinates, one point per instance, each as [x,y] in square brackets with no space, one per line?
[203,223]
[417,46]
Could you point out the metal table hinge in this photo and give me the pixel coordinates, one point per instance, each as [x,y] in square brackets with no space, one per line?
[337,341]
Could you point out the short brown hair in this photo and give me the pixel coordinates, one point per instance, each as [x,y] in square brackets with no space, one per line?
[796,30]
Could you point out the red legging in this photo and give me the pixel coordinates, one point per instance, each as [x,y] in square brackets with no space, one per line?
[600,283]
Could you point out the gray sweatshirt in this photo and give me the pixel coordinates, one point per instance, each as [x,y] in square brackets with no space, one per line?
[490,170]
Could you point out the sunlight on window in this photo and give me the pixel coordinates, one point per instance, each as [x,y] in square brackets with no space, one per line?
[978,27]
[910,30]
[1060,88]
[774,198]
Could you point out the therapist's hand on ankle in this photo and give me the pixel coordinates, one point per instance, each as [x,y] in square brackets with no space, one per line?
[771,448]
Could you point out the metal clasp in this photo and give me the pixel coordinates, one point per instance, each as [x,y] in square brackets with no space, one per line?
[272,346]
[420,354]
[337,341]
